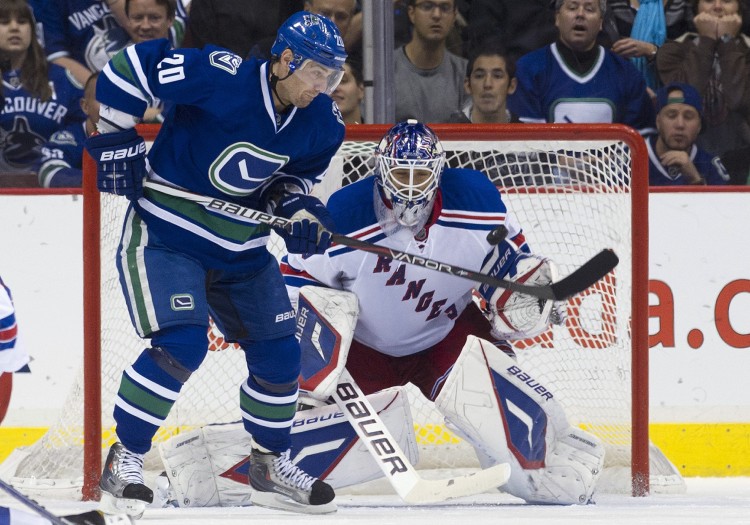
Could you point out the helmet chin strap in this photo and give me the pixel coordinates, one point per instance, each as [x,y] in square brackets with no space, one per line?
[274,79]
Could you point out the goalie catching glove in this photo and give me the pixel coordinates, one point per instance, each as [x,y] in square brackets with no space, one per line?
[515,315]
[311,227]
[120,162]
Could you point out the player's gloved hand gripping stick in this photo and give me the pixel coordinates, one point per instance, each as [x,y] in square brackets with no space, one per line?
[586,275]
[302,235]
[120,162]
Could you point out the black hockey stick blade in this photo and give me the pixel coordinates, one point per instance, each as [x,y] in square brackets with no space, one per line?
[588,274]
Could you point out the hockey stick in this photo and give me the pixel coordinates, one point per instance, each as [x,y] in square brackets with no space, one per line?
[402,476]
[55,520]
[583,277]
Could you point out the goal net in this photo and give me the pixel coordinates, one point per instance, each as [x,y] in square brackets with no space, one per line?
[576,189]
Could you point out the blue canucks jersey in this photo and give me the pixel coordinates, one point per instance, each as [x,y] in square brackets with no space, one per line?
[550,91]
[709,166]
[84,30]
[27,123]
[222,138]
[62,158]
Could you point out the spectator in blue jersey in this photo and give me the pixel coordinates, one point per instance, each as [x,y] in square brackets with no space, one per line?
[39,98]
[576,80]
[81,35]
[673,157]
[249,133]
[62,157]
[429,79]
[490,78]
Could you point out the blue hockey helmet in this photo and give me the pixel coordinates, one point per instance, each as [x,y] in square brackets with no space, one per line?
[311,37]
[410,163]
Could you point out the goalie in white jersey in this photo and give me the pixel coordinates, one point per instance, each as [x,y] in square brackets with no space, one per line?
[414,322]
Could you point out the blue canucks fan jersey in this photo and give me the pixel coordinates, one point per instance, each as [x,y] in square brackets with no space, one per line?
[422,304]
[27,123]
[84,30]
[549,91]
[709,166]
[222,138]
[62,158]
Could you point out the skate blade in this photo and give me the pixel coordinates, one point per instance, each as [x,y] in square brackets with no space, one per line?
[109,504]
[272,500]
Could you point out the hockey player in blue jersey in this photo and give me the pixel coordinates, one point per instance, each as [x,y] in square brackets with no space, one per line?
[256,133]
[420,326]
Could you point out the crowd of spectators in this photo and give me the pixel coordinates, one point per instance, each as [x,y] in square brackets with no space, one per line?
[454,61]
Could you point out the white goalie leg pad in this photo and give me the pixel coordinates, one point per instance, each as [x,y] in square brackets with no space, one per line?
[326,319]
[209,466]
[508,416]
[204,466]
[326,445]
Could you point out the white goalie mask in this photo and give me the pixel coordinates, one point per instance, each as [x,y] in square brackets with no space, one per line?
[410,162]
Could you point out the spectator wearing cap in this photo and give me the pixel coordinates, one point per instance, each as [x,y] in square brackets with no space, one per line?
[674,158]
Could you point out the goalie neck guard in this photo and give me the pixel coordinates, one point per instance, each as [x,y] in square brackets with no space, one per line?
[410,161]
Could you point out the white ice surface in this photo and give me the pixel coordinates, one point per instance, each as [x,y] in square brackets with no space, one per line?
[707,501]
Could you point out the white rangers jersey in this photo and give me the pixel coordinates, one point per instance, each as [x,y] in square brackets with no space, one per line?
[405,309]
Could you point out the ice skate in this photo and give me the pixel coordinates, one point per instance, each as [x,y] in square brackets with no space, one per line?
[122,485]
[277,483]
[96,517]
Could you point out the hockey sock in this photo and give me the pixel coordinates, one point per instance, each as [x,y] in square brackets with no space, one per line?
[150,386]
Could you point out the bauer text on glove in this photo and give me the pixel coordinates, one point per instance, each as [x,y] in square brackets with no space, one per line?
[120,162]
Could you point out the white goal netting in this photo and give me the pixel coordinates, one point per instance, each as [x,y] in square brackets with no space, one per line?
[573,197]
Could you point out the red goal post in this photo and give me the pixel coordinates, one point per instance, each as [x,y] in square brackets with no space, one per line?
[547,135]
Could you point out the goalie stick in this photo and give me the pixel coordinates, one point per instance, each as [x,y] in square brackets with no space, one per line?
[583,277]
[402,476]
[55,520]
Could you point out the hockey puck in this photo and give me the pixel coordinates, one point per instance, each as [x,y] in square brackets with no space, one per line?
[497,235]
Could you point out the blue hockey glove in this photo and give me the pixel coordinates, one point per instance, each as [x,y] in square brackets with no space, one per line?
[120,162]
[311,227]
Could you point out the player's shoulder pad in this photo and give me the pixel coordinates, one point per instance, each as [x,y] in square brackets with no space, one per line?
[352,206]
[323,107]
[471,190]
[222,59]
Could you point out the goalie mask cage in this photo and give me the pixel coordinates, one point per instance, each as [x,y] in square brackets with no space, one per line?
[575,188]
